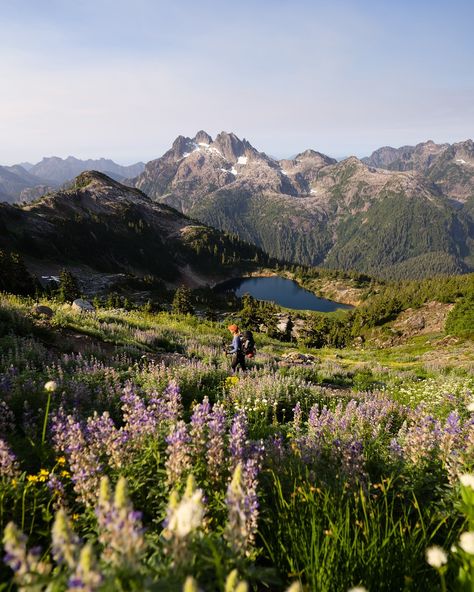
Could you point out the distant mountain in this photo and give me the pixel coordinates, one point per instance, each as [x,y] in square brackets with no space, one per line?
[317,211]
[60,170]
[26,165]
[449,166]
[15,180]
[99,225]
[26,181]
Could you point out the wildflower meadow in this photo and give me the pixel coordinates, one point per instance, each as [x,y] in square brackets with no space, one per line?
[130,459]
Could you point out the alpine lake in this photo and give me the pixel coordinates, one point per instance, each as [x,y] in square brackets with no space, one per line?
[282,291]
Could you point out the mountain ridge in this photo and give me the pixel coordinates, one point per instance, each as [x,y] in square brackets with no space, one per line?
[104,227]
[314,210]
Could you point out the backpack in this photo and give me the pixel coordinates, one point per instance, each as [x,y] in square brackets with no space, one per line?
[248,344]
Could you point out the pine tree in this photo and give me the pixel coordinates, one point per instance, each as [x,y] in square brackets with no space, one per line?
[68,287]
[182,301]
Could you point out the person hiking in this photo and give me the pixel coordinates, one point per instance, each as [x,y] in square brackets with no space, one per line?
[235,350]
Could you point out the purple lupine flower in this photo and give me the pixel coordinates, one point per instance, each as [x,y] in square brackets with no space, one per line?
[172,397]
[395,449]
[216,442]
[56,487]
[69,438]
[139,420]
[421,439]
[236,533]
[451,442]
[242,501]
[277,447]
[105,439]
[353,461]
[120,527]
[297,418]
[8,463]
[86,577]
[65,542]
[27,566]
[178,453]
[199,421]
[238,439]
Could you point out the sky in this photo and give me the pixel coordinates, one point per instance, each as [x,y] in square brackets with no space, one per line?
[121,78]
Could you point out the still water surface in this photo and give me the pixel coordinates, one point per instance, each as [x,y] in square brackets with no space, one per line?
[282,291]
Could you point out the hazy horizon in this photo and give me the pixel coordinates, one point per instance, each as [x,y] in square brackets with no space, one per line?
[261,149]
[121,80]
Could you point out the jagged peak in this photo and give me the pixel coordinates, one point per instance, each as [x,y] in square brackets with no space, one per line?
[202,137]
[231,146]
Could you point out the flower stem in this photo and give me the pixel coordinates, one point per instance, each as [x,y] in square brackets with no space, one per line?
[45,422]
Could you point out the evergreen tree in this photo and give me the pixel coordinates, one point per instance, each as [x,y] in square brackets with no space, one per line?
[68,287]
[14,277]
[182,301]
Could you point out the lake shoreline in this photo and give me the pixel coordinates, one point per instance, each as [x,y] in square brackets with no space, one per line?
[283,291]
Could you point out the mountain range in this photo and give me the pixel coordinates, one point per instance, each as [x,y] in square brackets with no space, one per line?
[26,182]
[404,212]
[400,213]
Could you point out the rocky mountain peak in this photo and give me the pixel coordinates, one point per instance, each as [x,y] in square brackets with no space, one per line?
[316,157]
[92,177]
[181,146]
[231,147]
[353,161]
[202,137]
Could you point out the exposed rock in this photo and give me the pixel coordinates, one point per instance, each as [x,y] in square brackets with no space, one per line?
[42,311]
[299,359]
[430,318]
[80,305]
[449,166]
[202,137]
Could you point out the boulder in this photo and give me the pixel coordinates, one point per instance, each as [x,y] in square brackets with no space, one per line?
[299,358]
[80,305]
[41,310]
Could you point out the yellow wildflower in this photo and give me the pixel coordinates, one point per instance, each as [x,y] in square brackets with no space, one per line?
[32,478]
[43,475]
[231,381]
[65,474]
[75,517]
[61,460]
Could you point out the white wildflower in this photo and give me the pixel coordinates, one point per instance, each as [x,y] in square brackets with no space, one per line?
[51,386]
[295,587]
[436,556]
[185,515]
[358,589]
[470,407]
[466,542]
[467,480]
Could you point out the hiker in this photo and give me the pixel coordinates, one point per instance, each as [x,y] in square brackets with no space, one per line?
[238,357]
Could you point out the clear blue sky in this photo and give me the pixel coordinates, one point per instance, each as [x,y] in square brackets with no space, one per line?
[122,79]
